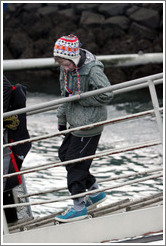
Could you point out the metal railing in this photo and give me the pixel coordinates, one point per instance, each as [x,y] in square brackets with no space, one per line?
[56,134]
[124,87]
[108,61]
[148,81]
[84,193]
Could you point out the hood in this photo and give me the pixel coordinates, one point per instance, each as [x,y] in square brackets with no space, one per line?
[90,61]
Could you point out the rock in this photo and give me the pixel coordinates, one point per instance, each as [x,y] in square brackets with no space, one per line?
[140,31]
[60,5]
[28,19]
[19,44]
[6,52]
[112,9]
[147,17]
[116,74]
[118,21]
[40,29]
[156,6]
[80,7]
[47,10]
[31,29]
[161,25]
[31,7]
[84,35]
[42,47]
[67,13]
[146,70]
[131,10]
[11,8]
[113,32]
[158,43]
[59,27]
[144,46]
[118,46]
[91,19]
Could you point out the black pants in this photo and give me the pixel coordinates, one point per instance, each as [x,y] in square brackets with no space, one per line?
[11,213]
[78,176]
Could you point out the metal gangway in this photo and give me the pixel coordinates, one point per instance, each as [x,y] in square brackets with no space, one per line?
[129,86]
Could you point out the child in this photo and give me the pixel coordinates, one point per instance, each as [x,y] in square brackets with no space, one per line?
[80,72]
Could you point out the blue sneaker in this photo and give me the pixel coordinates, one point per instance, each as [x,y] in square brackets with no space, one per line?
[93,201]
[72,215]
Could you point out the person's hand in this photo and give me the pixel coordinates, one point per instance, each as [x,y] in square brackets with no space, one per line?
[11,122]
[62,127]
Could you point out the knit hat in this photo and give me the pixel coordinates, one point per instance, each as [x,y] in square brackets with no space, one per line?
[67,47]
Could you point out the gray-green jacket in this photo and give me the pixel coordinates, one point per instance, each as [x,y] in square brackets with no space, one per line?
[88,110]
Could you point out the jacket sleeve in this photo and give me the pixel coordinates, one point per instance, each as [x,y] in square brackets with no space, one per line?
[97,80]
[18,100]
[7,92]
[61,112]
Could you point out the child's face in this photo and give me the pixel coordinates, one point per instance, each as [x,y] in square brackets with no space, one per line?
[67,65]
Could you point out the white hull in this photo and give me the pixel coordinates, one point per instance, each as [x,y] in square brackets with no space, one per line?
[109,227]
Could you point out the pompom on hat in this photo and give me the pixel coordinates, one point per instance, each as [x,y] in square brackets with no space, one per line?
[67,47]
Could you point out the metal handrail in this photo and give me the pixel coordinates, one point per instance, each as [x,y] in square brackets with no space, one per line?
[56,134]
[86,94]
[116,92]
[123,176]
[101,154]
[108,61]
[84,193]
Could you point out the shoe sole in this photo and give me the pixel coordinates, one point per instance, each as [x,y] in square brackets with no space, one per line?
[72,219]
[94,205]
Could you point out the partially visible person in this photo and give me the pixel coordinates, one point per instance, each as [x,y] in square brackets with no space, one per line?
[15,129]
[14,97]
[80,71]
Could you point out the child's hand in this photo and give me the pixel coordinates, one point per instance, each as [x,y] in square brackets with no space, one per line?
[62,127]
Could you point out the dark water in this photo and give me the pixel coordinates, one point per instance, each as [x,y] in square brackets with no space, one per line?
[114,136]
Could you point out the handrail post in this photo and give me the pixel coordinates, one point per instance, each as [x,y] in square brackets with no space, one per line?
[155,103]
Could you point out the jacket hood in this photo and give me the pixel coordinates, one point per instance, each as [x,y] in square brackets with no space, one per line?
[90,61]
[89,56]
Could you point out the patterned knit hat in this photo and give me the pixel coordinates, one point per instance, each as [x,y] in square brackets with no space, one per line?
[67,47]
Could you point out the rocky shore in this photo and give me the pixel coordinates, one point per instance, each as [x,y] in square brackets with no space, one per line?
[30,30]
